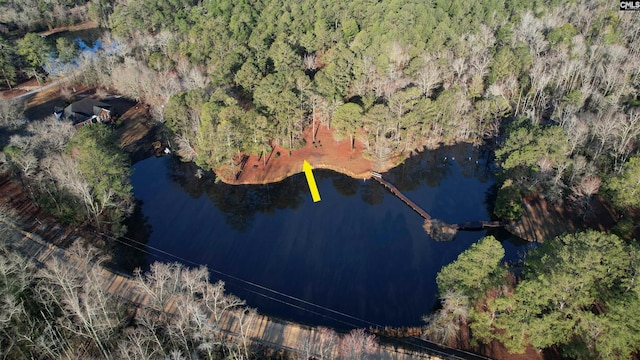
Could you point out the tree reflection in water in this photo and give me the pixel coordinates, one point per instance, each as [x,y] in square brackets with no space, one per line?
[360,250]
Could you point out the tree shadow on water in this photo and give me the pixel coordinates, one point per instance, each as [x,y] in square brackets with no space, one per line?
[345,185]
[240,203]
[373,193]
[193,180]
[129,252]
[431,167]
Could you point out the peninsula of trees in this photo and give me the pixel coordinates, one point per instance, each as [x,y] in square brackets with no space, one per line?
[578,294]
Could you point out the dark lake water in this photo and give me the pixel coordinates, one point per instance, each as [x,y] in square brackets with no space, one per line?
[88,37]
[359,257]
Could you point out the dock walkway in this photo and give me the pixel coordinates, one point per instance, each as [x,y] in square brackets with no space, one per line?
[467,226]
[377,177]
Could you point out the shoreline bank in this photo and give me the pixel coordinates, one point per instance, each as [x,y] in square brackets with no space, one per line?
[323,153]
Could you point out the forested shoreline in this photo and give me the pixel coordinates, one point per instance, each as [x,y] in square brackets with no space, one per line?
[553,85]
[576,295]
[231,79]
[63,305]
[396,76]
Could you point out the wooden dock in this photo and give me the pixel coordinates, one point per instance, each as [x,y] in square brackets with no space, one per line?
[480,225]
[467,226]
[377,177]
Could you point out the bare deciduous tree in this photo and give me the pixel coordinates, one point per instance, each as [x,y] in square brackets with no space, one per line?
[50,135]
[577,132]
[357,345]
[627,132]
[246,319]
[443,326]
[399,57]
[219,303]
[603,128]
[309,61]
[63,169]
[11,113]
[428,77]
[588,186]
[74,285]
[530,32]
[321,343]
[185,150]
[25,160]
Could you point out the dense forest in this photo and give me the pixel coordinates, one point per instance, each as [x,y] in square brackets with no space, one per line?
[229,78]
[578,293]
[20,16]
[78,176]
[551,85]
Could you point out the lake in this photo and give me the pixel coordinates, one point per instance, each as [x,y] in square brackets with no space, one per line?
[357,258]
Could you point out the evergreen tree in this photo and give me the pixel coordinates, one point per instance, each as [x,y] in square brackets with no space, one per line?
[35,51]
[475,270]
[106,169]
[348,120]
[625,188]
[67,50]
[573,295]
[7,62]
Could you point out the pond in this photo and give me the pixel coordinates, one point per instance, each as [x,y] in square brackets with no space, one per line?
[86,38]
[88,43]
[357,258]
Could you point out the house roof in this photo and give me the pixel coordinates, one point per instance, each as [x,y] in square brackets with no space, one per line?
[84,109]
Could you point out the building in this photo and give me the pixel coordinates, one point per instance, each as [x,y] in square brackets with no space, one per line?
[87,111]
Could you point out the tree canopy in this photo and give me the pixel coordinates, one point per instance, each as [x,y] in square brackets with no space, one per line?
[475,270]
[579,292]
[7,62]
[35,52]
[531,157]
[106,169]
[625,187]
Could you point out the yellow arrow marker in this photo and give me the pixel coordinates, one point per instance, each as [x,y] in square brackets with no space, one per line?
[306,167]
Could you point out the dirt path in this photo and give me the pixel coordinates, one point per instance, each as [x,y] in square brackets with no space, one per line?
[83,26]
[30,89]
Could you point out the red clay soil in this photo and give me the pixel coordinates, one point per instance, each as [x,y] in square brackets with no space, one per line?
[19,89]
[325,153]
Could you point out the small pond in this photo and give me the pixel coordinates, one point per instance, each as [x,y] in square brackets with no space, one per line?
[357,258]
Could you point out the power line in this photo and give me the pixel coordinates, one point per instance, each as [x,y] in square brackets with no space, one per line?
[369,323]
